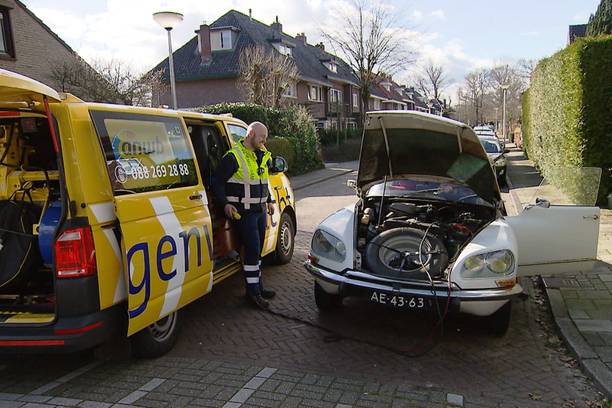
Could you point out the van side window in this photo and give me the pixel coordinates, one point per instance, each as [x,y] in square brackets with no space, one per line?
[144,152]
[237,132]
[210,146]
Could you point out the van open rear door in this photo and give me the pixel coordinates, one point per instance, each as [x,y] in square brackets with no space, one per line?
[161,205]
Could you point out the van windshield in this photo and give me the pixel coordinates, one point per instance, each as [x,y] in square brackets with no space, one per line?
[144,152]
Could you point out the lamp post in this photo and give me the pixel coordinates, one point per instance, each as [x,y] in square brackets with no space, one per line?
[496,120]
[504,88]
[169,20]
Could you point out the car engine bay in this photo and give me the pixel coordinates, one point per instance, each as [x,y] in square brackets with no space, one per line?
[415,239]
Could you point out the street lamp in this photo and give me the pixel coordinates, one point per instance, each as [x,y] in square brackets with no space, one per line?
[496,120]
[169,20]
[504,88]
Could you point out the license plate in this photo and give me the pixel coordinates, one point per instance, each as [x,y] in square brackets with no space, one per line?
[400,301]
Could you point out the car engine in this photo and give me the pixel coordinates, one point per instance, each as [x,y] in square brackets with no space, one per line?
[416,239]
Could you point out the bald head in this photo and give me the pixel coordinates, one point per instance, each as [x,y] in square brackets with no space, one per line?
[257,135]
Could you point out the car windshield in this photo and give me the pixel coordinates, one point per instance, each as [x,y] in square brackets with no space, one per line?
[425,188]
[490,146]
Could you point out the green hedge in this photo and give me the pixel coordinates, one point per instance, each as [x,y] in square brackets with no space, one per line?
[282,146]
[567,114]
[293,123]
[331,137]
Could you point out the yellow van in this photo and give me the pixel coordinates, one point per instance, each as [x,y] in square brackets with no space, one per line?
[107,223]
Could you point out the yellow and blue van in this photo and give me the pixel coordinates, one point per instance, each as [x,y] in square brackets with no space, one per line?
[107,223]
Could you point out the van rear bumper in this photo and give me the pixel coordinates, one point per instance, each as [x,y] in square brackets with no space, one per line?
[66,335]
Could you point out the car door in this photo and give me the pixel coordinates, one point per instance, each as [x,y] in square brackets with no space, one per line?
[159,200]
[555,239]
[276,187]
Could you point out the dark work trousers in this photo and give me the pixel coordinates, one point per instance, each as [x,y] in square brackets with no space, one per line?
[252,229]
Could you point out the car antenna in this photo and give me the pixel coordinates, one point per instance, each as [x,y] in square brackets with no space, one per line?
[382,198]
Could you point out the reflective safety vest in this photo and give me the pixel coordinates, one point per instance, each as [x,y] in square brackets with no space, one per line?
[248,186]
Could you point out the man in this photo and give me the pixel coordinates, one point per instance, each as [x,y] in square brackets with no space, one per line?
[241,188]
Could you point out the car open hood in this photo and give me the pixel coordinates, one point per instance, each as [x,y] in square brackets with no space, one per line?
[18,91]
[419,143]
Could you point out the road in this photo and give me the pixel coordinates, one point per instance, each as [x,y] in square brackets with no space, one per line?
[360,355]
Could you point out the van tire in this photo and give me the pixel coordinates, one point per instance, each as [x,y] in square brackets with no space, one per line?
[285,241]
[157,339]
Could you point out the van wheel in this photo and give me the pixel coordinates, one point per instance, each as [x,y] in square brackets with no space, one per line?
[156,339]
[285,241]
[498,323]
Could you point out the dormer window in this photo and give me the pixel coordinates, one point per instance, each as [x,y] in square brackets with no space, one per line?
[332,66]
[223,38]
[387,86]
[283,49]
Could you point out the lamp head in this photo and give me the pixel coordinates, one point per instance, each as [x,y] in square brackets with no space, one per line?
[168,19]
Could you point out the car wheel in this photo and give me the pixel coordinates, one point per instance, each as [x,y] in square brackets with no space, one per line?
[501,180]
[498,323]
[325,301]
[156,339]
[285,240]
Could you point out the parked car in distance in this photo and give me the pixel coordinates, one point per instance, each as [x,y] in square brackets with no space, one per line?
[430,231]
[495,152]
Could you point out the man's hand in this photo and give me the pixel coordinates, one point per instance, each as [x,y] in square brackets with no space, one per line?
[270,208]
[229,211]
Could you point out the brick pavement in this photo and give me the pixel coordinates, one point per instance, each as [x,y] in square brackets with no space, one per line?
[582,302]
[225,345]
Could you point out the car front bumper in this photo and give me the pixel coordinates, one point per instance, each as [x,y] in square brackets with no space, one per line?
[480,302]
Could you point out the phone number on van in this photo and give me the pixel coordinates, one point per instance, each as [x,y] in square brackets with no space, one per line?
[172,170]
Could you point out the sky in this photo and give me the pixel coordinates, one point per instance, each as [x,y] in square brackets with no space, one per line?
[460,35]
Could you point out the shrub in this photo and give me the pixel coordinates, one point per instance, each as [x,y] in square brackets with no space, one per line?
[293,123]
[348,151]
[336,137]
[282,146]
[567,121]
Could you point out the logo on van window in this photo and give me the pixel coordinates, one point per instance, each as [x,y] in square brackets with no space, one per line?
[124,145]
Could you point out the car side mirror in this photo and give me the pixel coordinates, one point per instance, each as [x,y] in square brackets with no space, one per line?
[279,165]
[352,184]
[542,202]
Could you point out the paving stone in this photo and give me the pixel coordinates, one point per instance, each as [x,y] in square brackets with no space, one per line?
[593,339]
[605,353]
[454,400]
[5,396]
[11,404]
[594,325]
[35,398]
[94,404]
[578,314]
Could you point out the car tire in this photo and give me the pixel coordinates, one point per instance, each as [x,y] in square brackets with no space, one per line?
[326,302]
[285,242]
[501,180]
[498,323]
[157,339]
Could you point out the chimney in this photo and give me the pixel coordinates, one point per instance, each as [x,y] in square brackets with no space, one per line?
[277,27]
[321,46]
[301,37]
[204,43]
[251,14]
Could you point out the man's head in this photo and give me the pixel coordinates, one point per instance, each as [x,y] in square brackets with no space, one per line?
[257,135]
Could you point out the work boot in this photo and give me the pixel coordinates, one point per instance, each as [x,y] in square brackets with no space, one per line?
[257,300]
[267,293]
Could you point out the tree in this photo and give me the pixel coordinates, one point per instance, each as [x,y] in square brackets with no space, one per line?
[601,21]
[432,81]
[265,75]
[476,84]
[106,81]
[369,43]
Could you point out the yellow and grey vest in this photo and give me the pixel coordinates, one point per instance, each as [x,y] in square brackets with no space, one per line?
[248,186]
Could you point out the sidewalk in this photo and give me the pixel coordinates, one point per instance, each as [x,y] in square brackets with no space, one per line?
[581,304]
[330,171]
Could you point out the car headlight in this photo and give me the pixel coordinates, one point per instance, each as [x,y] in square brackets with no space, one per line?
[327,246]
[488,265]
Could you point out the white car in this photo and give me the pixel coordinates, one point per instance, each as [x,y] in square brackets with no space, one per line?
[495,152]
[430,229]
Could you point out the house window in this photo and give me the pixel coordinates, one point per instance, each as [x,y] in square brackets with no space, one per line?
[290,91]
[355,100]
[221,40]
[376,104]
[283,49]
[315,93]
[6,37]
[335,96]
[332,66]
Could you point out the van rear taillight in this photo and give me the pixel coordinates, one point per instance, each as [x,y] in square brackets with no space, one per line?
[75,255]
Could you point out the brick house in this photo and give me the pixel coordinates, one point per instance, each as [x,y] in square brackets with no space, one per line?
[207,70]
[27,45]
